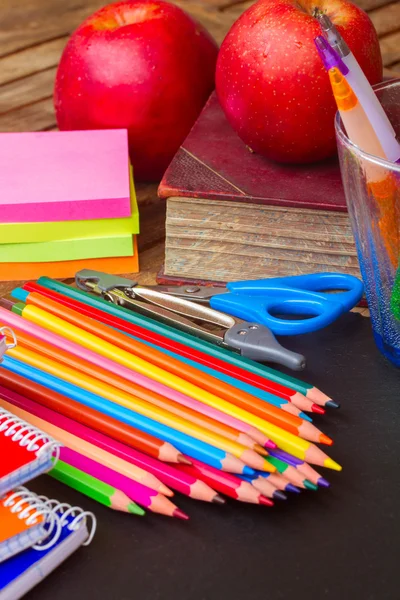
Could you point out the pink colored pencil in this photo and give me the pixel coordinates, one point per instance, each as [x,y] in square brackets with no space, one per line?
[13,320]
[137,492]
[85,433]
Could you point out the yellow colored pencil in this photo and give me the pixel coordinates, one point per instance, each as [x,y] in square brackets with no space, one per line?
[91,384]
[287,441]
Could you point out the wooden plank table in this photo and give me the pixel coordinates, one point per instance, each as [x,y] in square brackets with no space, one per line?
[33,34]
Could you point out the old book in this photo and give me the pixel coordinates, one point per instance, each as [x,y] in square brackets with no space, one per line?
[233,214]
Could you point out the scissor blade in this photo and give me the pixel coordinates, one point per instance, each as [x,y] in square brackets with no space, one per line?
[184,307]
[197,293]
[165,315]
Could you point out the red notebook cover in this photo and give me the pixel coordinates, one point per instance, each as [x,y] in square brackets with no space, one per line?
[214,163]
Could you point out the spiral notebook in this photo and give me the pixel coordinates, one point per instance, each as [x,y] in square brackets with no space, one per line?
[63,529]
[25,451]
[23,520]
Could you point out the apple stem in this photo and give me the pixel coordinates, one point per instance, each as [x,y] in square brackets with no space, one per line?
[317,12]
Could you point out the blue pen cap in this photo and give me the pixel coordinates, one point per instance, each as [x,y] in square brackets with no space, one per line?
[329,56]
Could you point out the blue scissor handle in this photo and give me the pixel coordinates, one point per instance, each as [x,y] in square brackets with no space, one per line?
[299,294]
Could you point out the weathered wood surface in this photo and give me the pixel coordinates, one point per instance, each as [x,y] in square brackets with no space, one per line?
[33,34]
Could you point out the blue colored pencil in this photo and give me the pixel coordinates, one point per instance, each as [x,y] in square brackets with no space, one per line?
[184,443]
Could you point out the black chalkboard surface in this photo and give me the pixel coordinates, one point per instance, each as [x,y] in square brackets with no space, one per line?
[340,544]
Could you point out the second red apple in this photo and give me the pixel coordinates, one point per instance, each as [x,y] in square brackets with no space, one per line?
[272,85]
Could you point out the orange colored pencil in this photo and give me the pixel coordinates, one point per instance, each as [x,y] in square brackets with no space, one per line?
[65,358]
[117,430]
[128,400]
[273,414]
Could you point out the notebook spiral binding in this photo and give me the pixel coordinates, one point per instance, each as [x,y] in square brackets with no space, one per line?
[8,331]
[4,331]
[30,506]
[27,435]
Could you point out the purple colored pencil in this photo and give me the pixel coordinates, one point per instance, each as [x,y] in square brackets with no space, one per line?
[301,466]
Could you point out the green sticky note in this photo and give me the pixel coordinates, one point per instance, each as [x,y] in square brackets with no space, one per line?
[15,233]
[75,249]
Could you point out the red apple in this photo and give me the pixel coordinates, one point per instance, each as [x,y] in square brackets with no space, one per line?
[142,65]
[271,82]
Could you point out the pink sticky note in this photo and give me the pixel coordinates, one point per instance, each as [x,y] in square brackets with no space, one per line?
[64,176]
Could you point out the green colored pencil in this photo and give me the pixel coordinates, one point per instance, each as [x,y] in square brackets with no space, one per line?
[94,488]
[291,474]
[312,393]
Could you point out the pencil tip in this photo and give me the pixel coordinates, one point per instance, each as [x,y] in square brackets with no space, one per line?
[323,482]
[134,509]
[305,416]
[248,471]
[292,488]
[180,514]
[332,404]
[324,439]
[278,495]
[309,485]
[270,445]
[265,501]
[218,499]
[163,489]
[184,460]
[260,450]
[331,464]
[318,409]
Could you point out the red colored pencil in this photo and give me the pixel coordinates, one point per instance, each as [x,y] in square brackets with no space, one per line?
[225,483]
[117,430]
[258,407]
[277,389]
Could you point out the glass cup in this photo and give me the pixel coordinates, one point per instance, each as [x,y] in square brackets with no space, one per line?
[372,189]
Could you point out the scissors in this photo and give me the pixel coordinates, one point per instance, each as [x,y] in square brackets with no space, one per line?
[261,300]
[250,339]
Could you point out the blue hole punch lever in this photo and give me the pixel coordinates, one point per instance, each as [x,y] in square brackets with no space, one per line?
[260,300]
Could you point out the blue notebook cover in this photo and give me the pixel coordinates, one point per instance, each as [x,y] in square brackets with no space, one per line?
[23,571]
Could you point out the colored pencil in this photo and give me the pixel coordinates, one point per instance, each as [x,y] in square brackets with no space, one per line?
[285,405]
[163,472]
[139,493]
[265,487]
[259,375]
[144,386]
[203,380]
[181,352]
[135,438]
[278,481]
[284,439]
[225,483]
[167,474]
[94,488]
[186,444]
[301,466]
[75,442]
[264,410]
[291,474]
[129,401]
[194,416]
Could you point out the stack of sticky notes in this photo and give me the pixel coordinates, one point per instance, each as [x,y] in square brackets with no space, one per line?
[67,200]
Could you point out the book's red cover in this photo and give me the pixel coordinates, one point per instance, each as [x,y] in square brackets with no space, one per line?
[214,163]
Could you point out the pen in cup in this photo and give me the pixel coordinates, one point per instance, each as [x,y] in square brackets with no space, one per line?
[362,89]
